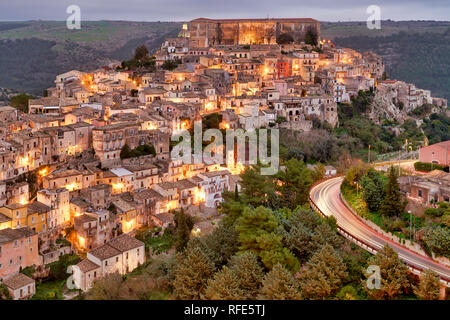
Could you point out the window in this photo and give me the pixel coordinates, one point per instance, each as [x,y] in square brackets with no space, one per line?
[117,259]
[419,193]
[106,263]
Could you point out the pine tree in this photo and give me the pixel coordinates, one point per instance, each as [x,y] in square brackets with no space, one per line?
[429,286]
[323,234]
[249,272]
[324,275]
[256,188]
[279,284]
[184,224]
[257,234]
[394,274]
[296,180]
[392,205]
[372,189]
[192,273]
[223,242]
[299,240]
[224,286]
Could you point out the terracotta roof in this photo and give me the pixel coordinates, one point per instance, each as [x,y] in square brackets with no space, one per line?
[104,252]
[216,173]
[8,234]
[87,265]
[184,184]
[125,242]
[37,207]
[83,218]
[18,281]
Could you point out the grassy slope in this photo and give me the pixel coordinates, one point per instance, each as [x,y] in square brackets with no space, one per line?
[34,52]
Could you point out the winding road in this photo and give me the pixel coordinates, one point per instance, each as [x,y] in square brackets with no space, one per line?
[325,197]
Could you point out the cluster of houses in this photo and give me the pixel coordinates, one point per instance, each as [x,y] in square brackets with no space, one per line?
[62,169]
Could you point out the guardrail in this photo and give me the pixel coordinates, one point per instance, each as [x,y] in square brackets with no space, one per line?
[366,246]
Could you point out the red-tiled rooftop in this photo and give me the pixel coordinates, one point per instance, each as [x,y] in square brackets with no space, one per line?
[18,281]
[87,265]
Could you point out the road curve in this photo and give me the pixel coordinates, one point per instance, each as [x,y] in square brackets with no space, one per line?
[326,197]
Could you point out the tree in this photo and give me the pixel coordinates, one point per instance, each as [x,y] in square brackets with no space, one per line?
[348,293]
[255,187]
[372,189]
[224,286]
[170,64]
[429,286]
[4,292]
[140,287]
[223,242]
[319,172]
[183,224]
[324,275]
[285,38]
[231,208]
[20,102]
[249,272]
[140,52]
[296,181]
[256,228]
[125,152]
[192,273]
[106,288]
[311,37]
[279,284]
[299,241]
[323,234]
[392,205]
[438,239]
[394,274]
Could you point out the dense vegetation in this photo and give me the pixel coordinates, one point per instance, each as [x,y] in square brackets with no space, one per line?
[139,151]
[377,197]
[281,250]
[352,137]
[437,128]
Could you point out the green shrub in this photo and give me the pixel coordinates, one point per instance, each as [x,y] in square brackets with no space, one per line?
[432,212]
[426,166]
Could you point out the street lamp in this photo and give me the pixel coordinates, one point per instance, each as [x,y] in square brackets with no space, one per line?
[410,225]
[368,160]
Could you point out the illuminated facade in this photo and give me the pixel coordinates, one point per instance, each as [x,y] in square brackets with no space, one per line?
[207,32]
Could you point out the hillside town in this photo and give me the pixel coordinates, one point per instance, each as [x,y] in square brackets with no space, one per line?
[90,164]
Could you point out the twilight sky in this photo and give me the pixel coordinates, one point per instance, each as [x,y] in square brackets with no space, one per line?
[180,10]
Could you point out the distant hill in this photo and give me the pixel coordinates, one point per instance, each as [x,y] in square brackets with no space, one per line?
[33,53]
[413,51]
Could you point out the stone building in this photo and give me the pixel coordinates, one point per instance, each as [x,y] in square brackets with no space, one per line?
[207,32]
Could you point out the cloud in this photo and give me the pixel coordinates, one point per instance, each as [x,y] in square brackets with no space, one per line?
[177,10]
